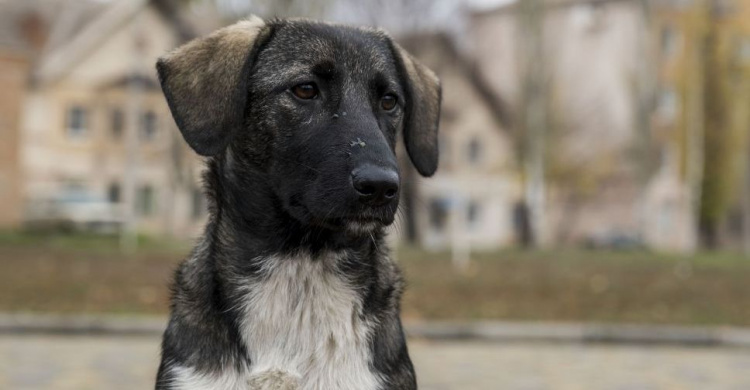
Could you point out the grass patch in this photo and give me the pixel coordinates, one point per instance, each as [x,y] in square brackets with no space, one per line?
[79,273]
[573,285]
[89,274]
[80,242]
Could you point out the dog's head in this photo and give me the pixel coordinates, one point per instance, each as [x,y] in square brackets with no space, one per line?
[314,107]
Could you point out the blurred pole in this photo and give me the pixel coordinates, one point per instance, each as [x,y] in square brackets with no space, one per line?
[742,115]
[409,194]
[695,128]
[129,230]
[460,247]
[645,98]
[534,114]
[746,202]
[746,183]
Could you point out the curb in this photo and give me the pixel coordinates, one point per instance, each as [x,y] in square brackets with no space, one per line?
[84,325]
[583,333]
[488,331]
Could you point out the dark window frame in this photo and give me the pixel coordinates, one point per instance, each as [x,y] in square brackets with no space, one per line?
[149,125]
[117,123]
[438,214]
[145,203]
[114,192]
[474,151]
[77,121]
[473,211]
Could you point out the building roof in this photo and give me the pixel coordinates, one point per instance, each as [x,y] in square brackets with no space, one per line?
[52,21]
[57,34]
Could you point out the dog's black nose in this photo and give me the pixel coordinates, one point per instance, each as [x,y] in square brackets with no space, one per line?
[375,186]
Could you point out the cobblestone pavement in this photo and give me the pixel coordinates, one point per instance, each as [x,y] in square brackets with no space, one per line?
[129,362]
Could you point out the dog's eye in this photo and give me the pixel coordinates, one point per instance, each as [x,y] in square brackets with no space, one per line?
[388,102]
[305,91]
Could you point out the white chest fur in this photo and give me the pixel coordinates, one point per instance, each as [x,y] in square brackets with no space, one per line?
[303,320]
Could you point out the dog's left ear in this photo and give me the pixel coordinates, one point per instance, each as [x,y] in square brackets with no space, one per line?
[206,84]
[423,95]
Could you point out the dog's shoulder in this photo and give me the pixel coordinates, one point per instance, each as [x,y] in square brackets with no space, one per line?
[200,334]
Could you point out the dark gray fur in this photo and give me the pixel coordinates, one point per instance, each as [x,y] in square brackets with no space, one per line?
[278,174]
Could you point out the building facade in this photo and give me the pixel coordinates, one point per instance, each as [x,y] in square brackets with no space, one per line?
[94,132]
[471,199]
[14,65]
[610,178]
[703,106]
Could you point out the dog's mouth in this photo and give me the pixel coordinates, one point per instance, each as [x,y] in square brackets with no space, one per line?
[357,223]
[364,224]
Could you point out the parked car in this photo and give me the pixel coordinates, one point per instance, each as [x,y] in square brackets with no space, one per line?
[613,240]
[74,212]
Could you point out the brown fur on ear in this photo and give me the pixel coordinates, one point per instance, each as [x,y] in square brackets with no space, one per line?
[205,82]
[423,96]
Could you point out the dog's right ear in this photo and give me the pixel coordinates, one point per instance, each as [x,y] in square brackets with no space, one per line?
[205,82]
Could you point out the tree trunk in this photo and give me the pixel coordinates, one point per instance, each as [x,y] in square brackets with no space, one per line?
[695,131]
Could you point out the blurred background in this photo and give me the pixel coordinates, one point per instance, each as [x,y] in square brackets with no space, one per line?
[594,170]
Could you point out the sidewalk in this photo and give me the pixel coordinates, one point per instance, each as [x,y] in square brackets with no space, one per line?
[495,331]
[42,352]
[121,362]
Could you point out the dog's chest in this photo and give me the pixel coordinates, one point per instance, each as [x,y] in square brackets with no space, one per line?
[303,320]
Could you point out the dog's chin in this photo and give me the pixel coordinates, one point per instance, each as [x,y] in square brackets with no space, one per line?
[355,225]
[363,226]
[360,222]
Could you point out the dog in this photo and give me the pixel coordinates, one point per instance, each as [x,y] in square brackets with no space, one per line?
[291,285]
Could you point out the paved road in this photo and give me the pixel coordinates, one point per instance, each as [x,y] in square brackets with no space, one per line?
[112,363]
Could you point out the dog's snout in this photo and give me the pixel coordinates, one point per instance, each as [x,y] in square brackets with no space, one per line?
[375,186]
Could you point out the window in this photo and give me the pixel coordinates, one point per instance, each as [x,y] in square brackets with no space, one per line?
[148,126]
[472,214]
[198,203]
[475,151]
[74,188]
[114,193]
[76,122]
[667,105]
[735,221]
[745,49]
[724,7]
[583,16]
[438,214]
[670,41]
[117,118]
[145,202]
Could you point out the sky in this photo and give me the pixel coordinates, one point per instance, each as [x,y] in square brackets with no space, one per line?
[392,15]
[445,15]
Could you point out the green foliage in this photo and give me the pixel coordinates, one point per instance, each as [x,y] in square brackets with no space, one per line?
[724,115]
[717,182]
